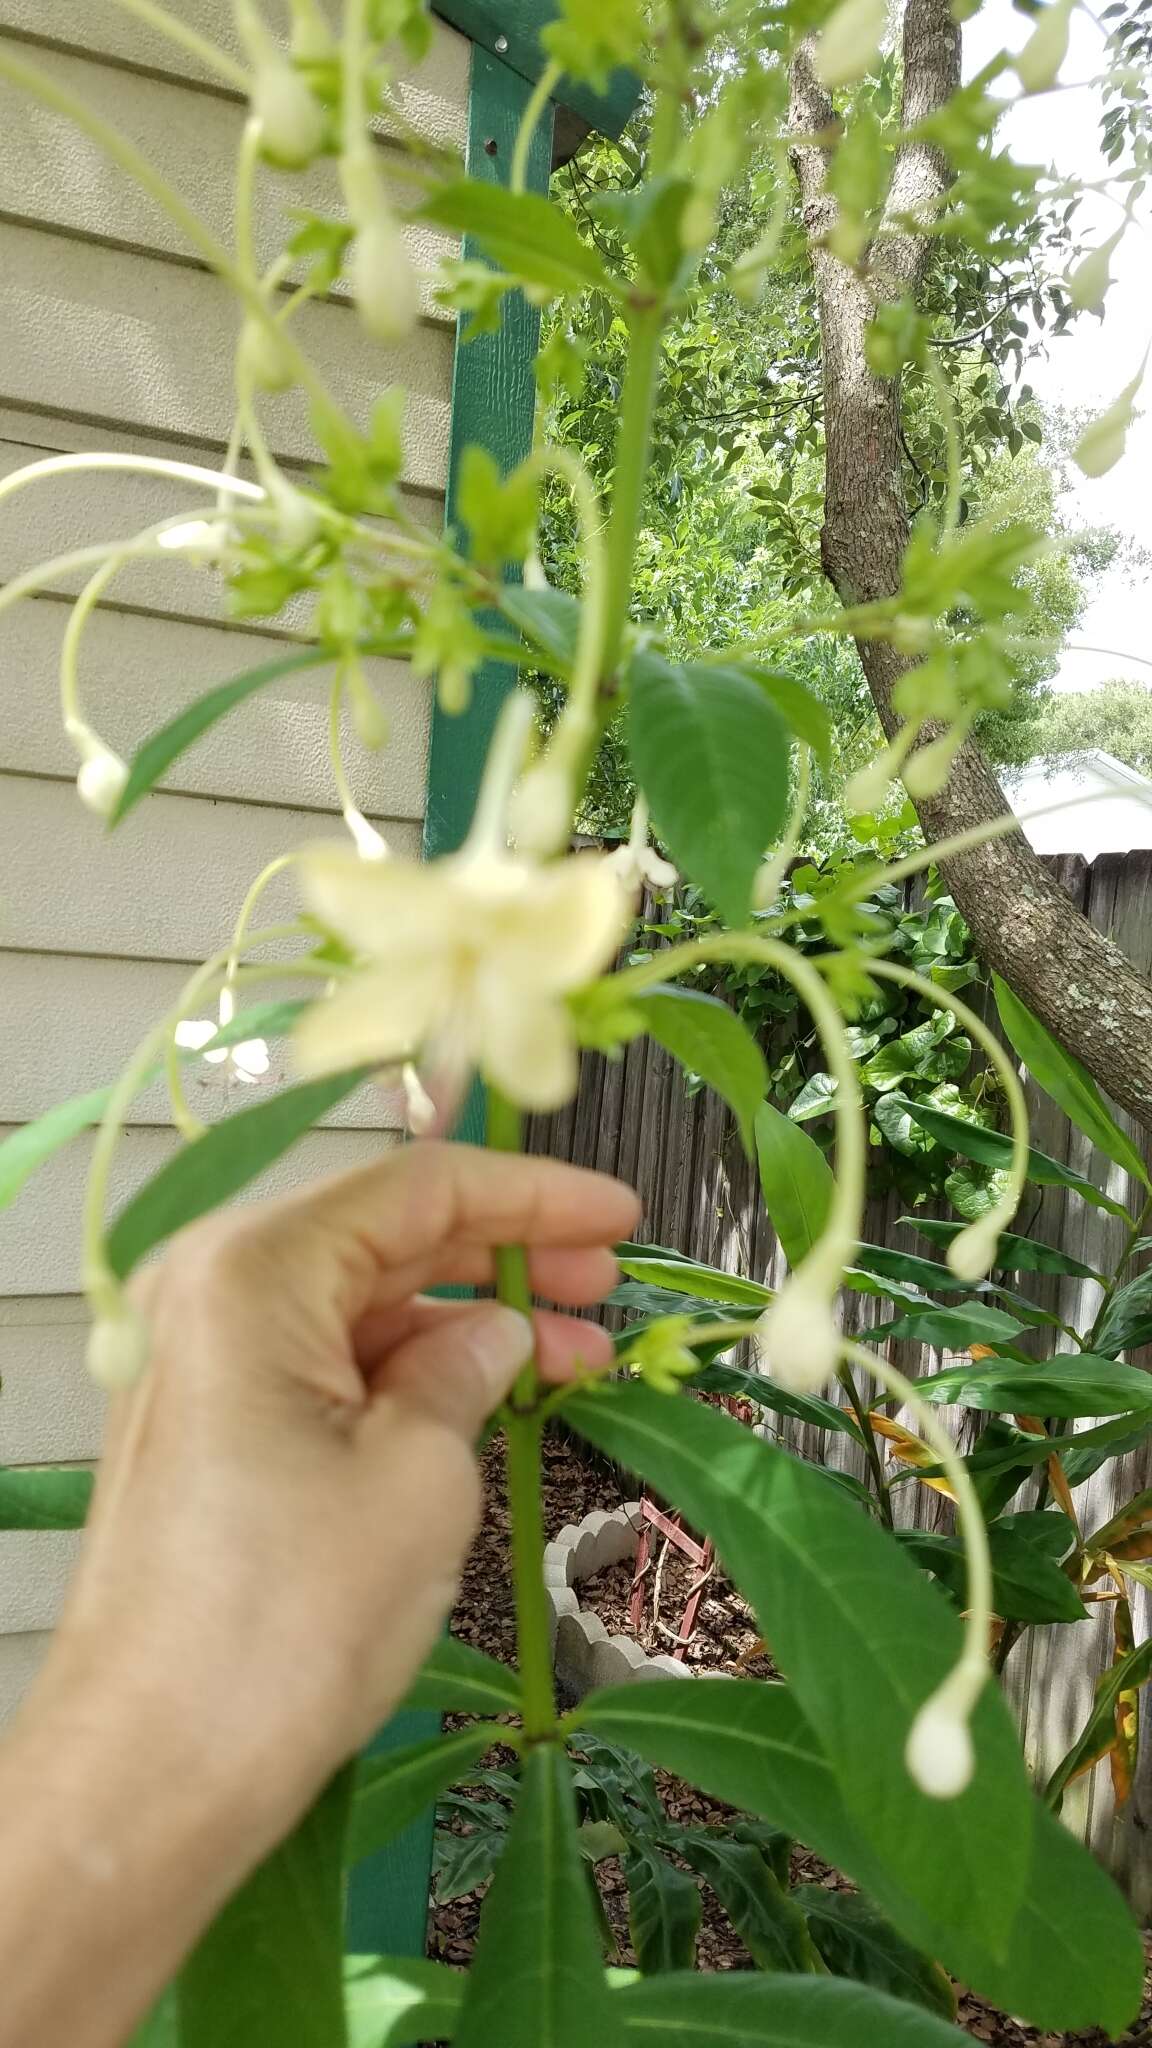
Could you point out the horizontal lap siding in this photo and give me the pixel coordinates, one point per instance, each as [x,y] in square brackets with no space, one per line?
[113,335]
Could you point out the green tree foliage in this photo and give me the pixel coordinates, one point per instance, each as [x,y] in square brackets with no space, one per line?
[1117,717]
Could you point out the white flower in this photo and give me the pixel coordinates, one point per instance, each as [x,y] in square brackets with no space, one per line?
[797,1337]
[850,41]
[467,959]
[101,780]
[636,863]
[291,121]
[1038,64]
[939,1752]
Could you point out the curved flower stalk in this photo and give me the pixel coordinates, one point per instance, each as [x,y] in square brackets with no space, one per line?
[370,844]
[939,1754]
[972,1252]
[775,867]
[384,284]
[468,959]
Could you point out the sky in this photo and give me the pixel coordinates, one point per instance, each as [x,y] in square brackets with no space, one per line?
[1088,367]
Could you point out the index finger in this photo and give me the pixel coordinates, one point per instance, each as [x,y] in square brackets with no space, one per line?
[430,1195]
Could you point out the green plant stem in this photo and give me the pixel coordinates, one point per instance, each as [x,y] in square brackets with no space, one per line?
[847,1380]
[524,1430]
[631,476]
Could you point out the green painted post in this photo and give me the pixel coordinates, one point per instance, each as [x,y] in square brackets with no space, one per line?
[493,403]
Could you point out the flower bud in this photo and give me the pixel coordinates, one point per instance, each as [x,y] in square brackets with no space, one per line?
[1038,64]
[797,1338]
[370,844]
[369,718]
[264,357]
[1089,282]
[292,122]
[312,40]
[384,284]
[972,1252]
[927,770]
[454,688]
[117,1346]
[849,43]
[1103,441]
[939,1752]
[101,780]
[540,815]
[867,789]
[419,1107]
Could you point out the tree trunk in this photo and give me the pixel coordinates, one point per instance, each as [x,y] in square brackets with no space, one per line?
[1024,925]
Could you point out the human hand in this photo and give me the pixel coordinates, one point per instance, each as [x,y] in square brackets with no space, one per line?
[288,1495]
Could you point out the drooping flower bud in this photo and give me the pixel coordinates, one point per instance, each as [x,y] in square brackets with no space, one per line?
[927,770]
[264,357]
[867,789]
[540,814]
[117,1345]
[369,717]
[849,44]
[419,1107]
[370,844]
[661,1356]
[972,1252]
[939,1753]
[384,284]
[292,122]
[797,1337]
[1089,282]
[454,688]
[101,780]
[1103,442]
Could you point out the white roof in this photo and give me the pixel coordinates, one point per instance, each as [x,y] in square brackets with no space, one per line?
[1091,803]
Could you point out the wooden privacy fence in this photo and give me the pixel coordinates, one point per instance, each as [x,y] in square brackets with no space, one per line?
[634,1117]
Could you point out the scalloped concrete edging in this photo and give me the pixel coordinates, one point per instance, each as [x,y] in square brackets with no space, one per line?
[584,1654]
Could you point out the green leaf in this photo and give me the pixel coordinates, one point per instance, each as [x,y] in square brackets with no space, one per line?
[856,1941]
[663,1911]
[711,755]
[1066,1081]
[522,232]
[756,1386]
[1074,1956]
[864,1638]
[152,760]
[161,2029]
[33,1144]
[1127,1319]
[1096,1737]
[456,1679]
[772,1928]
[44,1497]
[396,1786]
[742,2010]
[399,2002]
[1013,1254]
[550,619]
[800,709]
[993,1148]
[1028,1586]
[659,1268]
[216,1166]
[665,1301]
[709,1039]
[269,1973]
[815,1097]
[795,1180]
[881,1262]
[954,1329]
[1074,1383]
[537,1979]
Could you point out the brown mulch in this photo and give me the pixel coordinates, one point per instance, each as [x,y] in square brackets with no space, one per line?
[726,1639]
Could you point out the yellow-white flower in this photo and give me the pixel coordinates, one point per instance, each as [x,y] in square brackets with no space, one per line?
[467,960]
[249,1060]
[797,1337]
[636,862]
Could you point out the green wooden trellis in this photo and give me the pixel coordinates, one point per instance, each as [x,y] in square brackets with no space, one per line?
[493,403]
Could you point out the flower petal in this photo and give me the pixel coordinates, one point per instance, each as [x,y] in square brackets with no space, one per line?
[386,908]
[381,1015]
[526,1047]
[563,929]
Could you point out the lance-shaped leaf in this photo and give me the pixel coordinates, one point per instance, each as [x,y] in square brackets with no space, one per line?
[795,1180]
[523,232]
[856,1941]
[1066,1081]
[1126,1322]
[456,1679]
[1074,1383]
[864,1638]
[710,1040]
[663,1910]
[1013,1254]
[44,1497]
[994,1148]
[1096,1737]
[740,2009]
[537,1980]
[397,1785]
[216,1166]
[153,759]
[399,2002]
[771,1926]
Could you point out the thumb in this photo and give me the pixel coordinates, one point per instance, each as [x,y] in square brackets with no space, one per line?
[462,1369]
